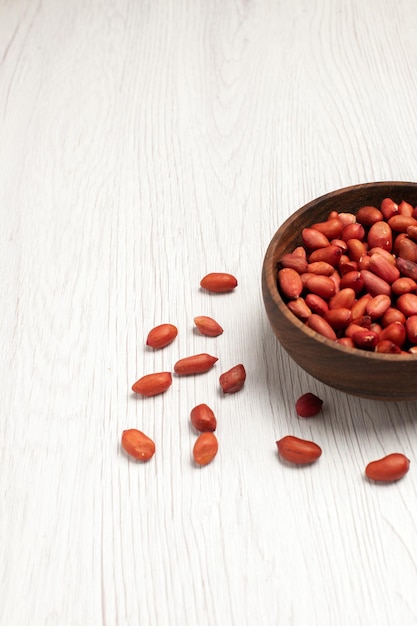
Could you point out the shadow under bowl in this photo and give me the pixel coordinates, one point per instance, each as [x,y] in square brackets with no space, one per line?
[358,372]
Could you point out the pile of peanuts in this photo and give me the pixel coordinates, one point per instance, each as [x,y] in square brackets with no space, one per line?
[354,278]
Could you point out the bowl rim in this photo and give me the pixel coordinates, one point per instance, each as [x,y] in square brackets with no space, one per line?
[271,283]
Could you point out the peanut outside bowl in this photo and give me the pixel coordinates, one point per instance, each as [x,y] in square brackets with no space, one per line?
[357,372]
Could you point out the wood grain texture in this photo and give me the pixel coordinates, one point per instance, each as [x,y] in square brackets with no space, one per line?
[142,145]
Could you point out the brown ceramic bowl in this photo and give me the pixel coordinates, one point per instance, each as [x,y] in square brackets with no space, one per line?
[357,372]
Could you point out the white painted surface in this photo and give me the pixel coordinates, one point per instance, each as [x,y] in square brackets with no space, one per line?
[142,145]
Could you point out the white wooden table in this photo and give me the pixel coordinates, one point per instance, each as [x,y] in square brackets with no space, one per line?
[142,145]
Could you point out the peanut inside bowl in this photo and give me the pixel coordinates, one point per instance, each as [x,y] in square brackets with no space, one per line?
[355,371]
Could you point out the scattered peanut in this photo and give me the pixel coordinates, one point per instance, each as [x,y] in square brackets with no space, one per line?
[218,282]
[208,326]
[205,448]
[196,364]
[389,468]
[298,451]
[161,335]
[153,384]
[233,380]
[137,444]
[203,418]
[308,405]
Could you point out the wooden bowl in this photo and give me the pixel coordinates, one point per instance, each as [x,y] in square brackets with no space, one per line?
[354,371]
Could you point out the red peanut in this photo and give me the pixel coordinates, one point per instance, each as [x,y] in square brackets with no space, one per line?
[378,306]
[412,232]
[320,268]
[290,282]
[346,266]
[374,284]
[365,321]
[205,448]
[308,405]
[352,280]
[335,277]
[389,468]
[343,298]
[153,384]
[218,282]
[407,268]
[387,347]
[340,244]
[380,234]
[383,268]
[338,318]
[365,339]
[347,218]
[400,223]
[196,364]
[331,228]
[137,444]
[405,208]
[161,335]
[316,303]
[388,208]
[359,307]
[411,329]
[233,380]
[368,215]
[353,231]
[364,262]
[313,239]
[330,254]
[300,308]
[388,256]
[300,251]
[322,286]
[407,304]
[208,326]
[403,285]
[392,315]
[407,249]
[298,451]
[354,328]
[319,324]
[356,249]
[203,418]
[295,262]
[394,332]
